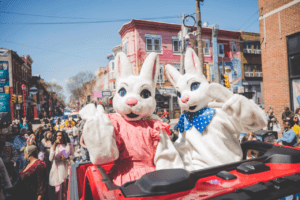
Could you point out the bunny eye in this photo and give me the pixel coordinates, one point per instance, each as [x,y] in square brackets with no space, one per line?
[145,94]
[179,94]
[195,86]
[122,92]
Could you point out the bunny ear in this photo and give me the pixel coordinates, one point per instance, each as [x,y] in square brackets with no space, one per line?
[150,68]
[123,66]
[192,63]
[173,74]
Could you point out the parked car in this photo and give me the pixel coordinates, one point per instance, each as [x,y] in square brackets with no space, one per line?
[274,175]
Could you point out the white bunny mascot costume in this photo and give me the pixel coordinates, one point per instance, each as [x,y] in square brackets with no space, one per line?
[134,138]
[209,130]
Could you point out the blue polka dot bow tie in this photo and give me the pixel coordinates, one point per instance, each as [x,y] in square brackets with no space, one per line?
[199,119]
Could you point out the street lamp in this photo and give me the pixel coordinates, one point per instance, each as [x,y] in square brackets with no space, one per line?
[23,89]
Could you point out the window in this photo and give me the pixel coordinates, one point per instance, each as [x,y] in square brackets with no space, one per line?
[257,45]
[176,45]
[206,48]
[233,47]
[114,85]
[125,47]
[153,43]
[161,74]
[112,66]
[221,50]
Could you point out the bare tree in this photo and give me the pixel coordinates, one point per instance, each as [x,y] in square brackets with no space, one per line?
[55,88]
[81,84]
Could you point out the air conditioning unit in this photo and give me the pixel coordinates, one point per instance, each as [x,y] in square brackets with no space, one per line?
[249,74]
[206,51]
[258,74]
[257,51]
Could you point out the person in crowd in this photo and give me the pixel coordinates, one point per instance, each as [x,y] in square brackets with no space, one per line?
[9,156]
[297,113]
[5,180]
[58,126]
[33,177]
[30,127]
[50,128]
[70,119]
[45,148]
[19,142]
[43,124]
[165,113]
[25,123]
[69,131]
[39,136]
[271,119]
[61,155]
[166,119]
[287,114]
[295,126]
[289,137]
[174,134]
[84,152]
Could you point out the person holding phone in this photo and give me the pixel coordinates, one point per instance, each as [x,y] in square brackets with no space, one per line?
[61,155]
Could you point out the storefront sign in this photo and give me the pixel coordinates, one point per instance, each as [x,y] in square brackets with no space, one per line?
[106,93]
[97,94]
[3,52]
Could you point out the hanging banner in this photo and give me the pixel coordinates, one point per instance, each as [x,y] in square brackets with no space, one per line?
[296,93]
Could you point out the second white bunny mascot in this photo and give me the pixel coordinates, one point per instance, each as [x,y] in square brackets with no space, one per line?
[215,116]
[134,138]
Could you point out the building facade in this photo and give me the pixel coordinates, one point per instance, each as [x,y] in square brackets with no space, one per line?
[280,50]
[251,66]
[221,53]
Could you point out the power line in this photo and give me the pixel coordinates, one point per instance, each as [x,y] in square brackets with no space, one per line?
[41,48]
[250,24]
[87,22]
[249,19]
[50,16]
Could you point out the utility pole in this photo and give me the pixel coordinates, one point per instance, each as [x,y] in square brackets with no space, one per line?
[181,38]
[199,34]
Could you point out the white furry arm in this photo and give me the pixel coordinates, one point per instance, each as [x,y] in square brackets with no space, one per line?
[166,156]
[245,114]
[184,149]
[98,135]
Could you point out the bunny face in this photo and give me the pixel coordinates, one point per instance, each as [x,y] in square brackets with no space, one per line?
[191,87]
[135,95]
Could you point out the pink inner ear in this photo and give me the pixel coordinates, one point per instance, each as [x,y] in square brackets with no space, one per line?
[154,69]
[171,78]
[119,65]
[194,62]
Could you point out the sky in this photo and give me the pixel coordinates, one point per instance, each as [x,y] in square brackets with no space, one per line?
[80,34]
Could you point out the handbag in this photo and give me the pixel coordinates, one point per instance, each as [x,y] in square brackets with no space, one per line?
[276,127]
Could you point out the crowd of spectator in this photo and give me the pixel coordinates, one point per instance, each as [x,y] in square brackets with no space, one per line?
[34,161]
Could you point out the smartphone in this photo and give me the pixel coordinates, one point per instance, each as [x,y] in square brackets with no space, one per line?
[64,153]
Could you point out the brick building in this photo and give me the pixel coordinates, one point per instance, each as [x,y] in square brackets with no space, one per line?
[279,22]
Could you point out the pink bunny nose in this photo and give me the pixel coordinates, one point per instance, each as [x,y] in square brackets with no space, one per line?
[185,99]
[131,102]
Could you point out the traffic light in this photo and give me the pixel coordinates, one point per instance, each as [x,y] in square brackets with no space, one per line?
[13,98]
[226,80]
[20,98]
